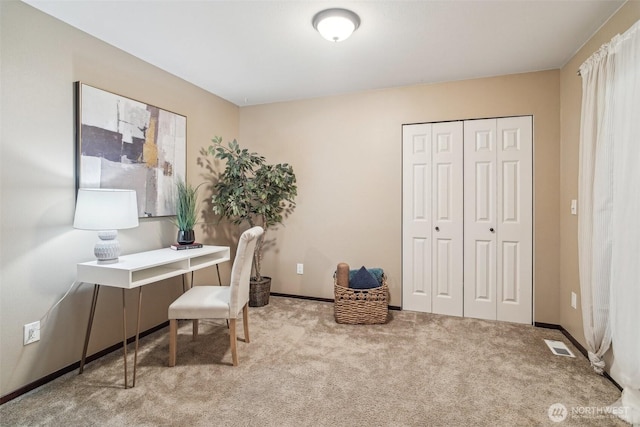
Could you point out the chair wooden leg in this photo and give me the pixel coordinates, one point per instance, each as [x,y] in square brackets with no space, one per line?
[173,338]
[195,329]
[232,339]
[245,321]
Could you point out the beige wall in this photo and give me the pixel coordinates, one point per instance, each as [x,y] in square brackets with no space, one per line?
[347,155]
[571,99]
[41,58]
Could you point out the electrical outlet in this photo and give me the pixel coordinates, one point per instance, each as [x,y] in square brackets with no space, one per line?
[300,269]
[31,332]
[574,300]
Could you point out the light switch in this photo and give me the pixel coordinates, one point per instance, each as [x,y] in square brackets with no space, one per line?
[574,207]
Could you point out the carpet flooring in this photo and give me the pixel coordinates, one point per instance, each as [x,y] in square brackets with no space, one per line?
[303,369]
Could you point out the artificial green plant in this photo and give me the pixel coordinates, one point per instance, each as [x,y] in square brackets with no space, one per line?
[251,190]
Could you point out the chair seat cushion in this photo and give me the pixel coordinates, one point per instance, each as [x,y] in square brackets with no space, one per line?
[202,302]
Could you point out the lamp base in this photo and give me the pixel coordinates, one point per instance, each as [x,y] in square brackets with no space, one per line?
[107,249]
[107,261]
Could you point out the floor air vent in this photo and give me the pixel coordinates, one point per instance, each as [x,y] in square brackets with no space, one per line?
[559,348]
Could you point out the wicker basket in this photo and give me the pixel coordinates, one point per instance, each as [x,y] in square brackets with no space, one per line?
[361,306]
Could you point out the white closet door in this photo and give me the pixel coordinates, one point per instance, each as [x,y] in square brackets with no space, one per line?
[473,258]
[480,219]
[416,217]
[515,219]
[447,218]
[498,229]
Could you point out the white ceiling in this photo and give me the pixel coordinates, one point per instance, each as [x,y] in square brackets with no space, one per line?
[255,52]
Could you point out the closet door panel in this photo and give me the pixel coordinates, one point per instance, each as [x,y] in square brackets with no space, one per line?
[416,220]
[515,219]
[480,218]
[447,227]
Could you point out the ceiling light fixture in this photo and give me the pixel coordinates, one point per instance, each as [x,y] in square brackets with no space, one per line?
[336,25]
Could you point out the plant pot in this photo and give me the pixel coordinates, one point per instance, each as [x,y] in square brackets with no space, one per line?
[259,292]
[186,237]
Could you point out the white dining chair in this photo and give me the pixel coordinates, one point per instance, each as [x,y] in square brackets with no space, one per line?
[218,302]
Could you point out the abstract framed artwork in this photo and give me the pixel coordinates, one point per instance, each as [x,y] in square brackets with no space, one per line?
[127,144]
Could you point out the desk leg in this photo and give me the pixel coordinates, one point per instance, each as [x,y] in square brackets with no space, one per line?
[124,340]
[92,311]
[135,357]
[185,288]
[220,284]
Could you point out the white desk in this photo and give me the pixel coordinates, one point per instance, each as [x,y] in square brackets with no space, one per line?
[136,270]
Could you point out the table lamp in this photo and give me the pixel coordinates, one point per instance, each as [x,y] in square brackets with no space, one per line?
[107,211]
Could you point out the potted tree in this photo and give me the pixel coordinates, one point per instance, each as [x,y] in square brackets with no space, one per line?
[249,190]
[186,211]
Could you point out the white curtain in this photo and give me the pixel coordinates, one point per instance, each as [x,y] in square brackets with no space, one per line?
[594,195]
[609,223]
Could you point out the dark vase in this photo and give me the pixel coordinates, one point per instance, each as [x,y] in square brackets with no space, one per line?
[186,237]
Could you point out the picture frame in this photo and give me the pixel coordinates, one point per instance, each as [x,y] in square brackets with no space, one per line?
[128,144]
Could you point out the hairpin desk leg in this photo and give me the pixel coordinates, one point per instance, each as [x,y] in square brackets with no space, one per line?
[124,340]
[135,357]
[220,284]
[92,311]
[185,286]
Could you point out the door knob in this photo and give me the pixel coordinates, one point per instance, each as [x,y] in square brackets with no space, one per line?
[491,230]
[437,228]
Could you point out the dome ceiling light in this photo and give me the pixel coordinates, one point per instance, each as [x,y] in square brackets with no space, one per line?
[336,25]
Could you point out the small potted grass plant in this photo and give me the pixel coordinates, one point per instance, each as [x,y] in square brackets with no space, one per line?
[186,211]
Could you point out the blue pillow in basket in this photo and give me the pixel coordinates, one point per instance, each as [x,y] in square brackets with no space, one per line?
[362,279]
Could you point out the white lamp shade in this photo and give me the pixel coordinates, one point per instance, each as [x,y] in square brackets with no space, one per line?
[336,25]
[105,209]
